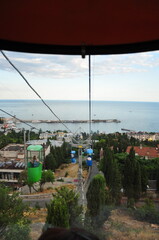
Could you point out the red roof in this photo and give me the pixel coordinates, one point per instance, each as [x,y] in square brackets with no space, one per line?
[150,152]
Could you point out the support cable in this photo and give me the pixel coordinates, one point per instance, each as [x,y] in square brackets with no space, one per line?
[35,91]
[90,110]
[19,119]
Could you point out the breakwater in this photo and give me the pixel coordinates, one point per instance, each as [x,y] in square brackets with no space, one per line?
[73,121]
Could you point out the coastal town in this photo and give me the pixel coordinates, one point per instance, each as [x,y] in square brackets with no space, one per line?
[13,159]
[69,165]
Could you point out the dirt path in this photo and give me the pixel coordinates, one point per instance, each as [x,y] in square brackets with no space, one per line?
[38,218]
[68,170]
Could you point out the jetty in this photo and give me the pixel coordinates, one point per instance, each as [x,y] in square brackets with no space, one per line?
[73,121]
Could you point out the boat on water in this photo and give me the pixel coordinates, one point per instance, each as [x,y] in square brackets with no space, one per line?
[127,130]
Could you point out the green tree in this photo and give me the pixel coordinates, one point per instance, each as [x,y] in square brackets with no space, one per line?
[115,185]
[137,181]
[106,165]
[96,195]
[47,176]
[132,177]
[112,175]
[14,137]
[144,178]
[157,180]
[57,215]
[50,162]
[129,171]
[11,209]
[71,199]
[64,211]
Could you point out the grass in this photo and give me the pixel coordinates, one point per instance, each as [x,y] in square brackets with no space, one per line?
[122,226]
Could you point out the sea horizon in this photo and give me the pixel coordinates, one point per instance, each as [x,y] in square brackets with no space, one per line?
[82,100]
[133,115]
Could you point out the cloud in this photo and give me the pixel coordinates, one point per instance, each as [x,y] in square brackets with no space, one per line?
[59,66]
[56,66]
[139,62]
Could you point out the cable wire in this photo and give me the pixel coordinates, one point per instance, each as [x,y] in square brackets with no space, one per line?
[35,91]
[19,119]
[90,109]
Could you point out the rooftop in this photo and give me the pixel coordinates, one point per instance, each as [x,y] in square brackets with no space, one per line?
[13,147]
[150,152]
[12,165]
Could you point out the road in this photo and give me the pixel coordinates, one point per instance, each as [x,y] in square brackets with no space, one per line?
[40,200]
[93,170]
[35,201]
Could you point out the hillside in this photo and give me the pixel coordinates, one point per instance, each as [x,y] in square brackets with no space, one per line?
[120,226]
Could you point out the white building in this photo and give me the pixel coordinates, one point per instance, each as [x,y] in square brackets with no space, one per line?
[56,143]
[13,151]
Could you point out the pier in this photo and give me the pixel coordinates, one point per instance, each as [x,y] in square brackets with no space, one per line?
[73,121]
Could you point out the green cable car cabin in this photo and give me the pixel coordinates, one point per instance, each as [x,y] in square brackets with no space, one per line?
[34,162]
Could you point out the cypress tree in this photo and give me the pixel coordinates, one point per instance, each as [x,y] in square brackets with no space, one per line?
[137,181]
[144,178]
[107,165]
[50,162]
[112,175]
[157,183]
[115,185]
[129,178]
[129,171]
[96,195]
[132,177]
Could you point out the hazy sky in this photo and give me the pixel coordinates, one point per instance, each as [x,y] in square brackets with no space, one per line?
[128,77]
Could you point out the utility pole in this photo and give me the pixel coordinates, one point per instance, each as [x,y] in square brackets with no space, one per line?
[25,160]
[80,181]
[90,100]
[29,135]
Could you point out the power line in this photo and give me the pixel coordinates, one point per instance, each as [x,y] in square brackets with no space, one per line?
[19,119]
[35,91]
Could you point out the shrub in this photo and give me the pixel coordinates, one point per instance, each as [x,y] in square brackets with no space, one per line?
[147,213]
[12,209]
[58,214]
[20,230]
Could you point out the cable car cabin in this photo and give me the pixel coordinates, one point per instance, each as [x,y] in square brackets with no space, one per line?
[73,159]
[34,162]
[89,161]
[89,151]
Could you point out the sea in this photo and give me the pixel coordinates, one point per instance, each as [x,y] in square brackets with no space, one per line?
[135,116]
